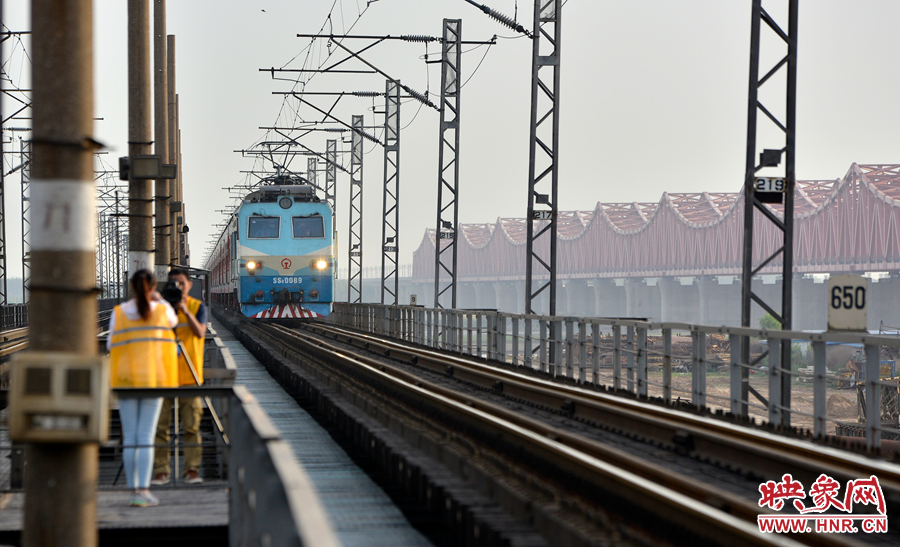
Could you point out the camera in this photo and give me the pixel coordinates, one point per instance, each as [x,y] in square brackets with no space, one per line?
[171,293]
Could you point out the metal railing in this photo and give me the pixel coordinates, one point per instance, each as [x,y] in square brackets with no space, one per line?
[695,364]
[13,316]
[271,499]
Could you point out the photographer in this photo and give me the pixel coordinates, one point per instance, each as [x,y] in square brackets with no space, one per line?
[191,330]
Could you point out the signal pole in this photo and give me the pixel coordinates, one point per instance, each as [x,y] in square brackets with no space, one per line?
[61,479]
[755,200]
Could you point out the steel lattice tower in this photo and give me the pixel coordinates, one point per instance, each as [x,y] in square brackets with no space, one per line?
[331,192]
[354,278]
[25,172]
[311,170]
[752,204]
[447,229]
[543,159]
[390,229]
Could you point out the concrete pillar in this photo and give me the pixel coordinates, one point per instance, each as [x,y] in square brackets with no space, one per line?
[580,298]
[609,298]
[883,304]
[519,287]
[562,300]
[770,293]
[485,297]
[810,302]
[642,298]
[466,297]
[506,296]
[679,302]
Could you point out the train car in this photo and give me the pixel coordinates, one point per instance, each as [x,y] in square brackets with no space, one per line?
[275,258]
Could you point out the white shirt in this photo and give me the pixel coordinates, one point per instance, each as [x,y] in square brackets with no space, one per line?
[130,309]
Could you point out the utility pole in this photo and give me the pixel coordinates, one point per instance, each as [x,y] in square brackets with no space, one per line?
[390,228]
[140,194]
[447,230]
[754,203]
[61,479]
[172,128]
[161,139]
[354,278]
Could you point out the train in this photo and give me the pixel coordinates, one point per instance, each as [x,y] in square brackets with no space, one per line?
[275,257]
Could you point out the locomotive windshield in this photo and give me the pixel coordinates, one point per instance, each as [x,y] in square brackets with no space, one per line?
[263,227]
[313,226]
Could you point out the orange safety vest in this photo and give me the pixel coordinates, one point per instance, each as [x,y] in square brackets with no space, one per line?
[142,352]
[192,344]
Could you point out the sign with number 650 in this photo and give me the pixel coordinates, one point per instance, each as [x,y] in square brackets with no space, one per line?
[847,302]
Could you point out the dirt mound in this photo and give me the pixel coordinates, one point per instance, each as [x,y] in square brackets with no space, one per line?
[841,408]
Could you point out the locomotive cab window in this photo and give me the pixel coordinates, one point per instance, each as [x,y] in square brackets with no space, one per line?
[311,226]
[263,227]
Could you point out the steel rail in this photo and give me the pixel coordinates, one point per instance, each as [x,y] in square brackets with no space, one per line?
[766,453]
[698,508]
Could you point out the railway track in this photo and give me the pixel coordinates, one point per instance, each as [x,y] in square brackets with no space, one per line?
[590,467]
[15,340]
[762,453]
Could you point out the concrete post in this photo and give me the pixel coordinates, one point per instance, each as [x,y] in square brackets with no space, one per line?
[140,192]
[161,139]
[171,128]
[61,479]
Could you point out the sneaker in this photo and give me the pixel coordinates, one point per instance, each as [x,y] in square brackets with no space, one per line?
[160,479]
[192,477]
[144,500]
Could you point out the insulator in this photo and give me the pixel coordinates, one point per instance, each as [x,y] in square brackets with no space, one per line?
[366,94]
[505,20]
[418,38]
[333,129]
[368,136]
[417,96]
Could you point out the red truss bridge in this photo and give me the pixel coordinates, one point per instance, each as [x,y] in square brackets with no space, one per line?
[841,225]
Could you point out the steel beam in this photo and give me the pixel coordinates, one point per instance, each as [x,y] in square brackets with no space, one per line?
[355,248]
[390,228]
[752,202]
[447,228]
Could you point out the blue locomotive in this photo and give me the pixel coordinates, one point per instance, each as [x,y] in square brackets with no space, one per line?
[275,258]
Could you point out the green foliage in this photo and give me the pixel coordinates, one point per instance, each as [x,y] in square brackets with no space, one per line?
[768,322]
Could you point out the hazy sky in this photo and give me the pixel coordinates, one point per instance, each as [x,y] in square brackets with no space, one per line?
[653,97]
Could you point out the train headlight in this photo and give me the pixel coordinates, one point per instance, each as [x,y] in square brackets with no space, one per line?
[251,265]
[321,264]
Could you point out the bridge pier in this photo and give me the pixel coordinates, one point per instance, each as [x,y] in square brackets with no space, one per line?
[718,295]
[579,298]
[810,304]
[507,297]
[609,298]
[680,301]
[642,298]
[882,303]
[466,296]
[562,299]
[485,297]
